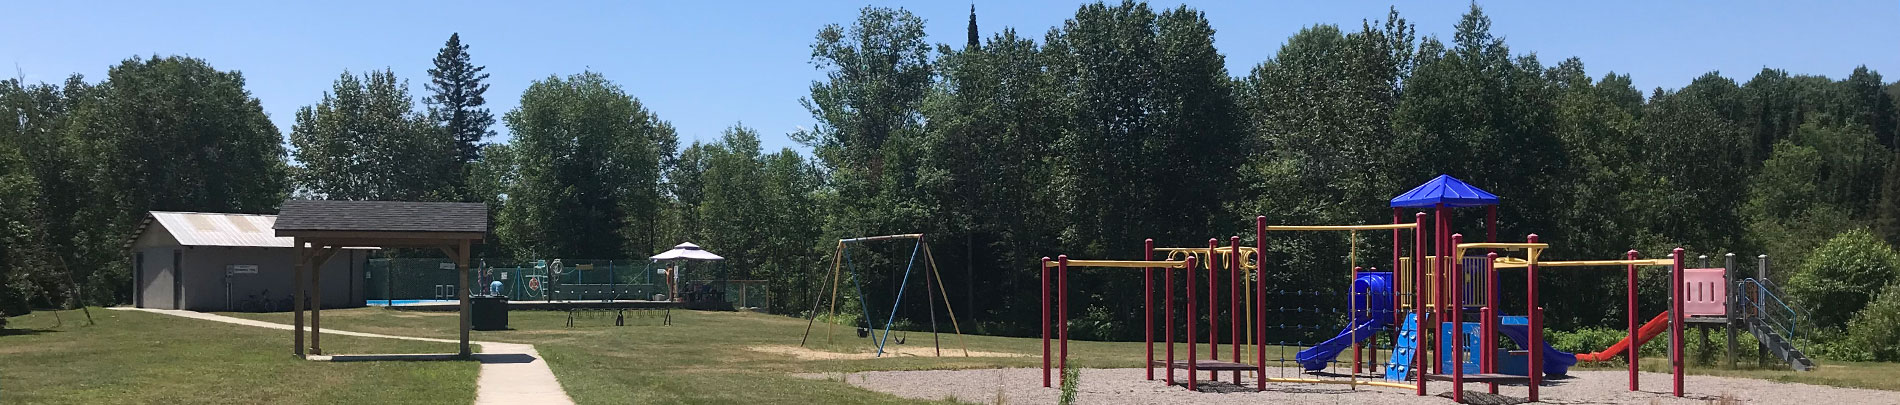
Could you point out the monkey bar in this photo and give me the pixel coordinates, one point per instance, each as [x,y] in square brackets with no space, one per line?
[1062,263]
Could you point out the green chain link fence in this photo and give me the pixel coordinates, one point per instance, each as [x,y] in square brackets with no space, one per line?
[398,280]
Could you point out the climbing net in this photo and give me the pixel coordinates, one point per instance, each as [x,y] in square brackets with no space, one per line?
[1311,331]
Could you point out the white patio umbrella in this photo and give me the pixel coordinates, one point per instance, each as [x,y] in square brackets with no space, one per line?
[686,251]
[682,252]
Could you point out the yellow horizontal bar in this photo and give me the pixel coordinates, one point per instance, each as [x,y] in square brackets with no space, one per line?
[1502,245]
[884,237]
[1122,263]
[1516,263]
[1339,227]
[1202,249]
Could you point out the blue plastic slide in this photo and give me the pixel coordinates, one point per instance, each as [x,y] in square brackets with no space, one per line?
[1315,358]
[1370,291]
[1556,362]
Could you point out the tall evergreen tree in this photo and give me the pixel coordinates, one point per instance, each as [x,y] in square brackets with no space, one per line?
[455,102]
[972,30]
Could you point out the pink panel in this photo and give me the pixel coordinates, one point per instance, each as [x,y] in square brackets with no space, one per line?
[1704,292]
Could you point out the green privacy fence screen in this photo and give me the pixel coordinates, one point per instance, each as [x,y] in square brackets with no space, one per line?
[401,279]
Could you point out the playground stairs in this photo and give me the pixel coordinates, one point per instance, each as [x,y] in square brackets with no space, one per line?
[1780,346]
[1774,321]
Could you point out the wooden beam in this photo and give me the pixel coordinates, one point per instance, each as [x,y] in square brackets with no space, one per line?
[296,340]
[461,271]
[314,235]
[383,242]
[317,260]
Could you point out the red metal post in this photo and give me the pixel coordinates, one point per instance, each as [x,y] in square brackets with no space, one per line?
[1630,282]
[1148,312]
[1536,314]
[1457,326]
[1491,223]
[1045,322]
[1062,298]
[1398,317]
[1442,228]
[1191,343]
[1260,303]
[1213,306]
[1488,330]
[1167,283]
[1233,299]
[1675,322]
[1418,300]
[1147,307]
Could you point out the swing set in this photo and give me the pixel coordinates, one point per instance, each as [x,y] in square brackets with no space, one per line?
[933,286]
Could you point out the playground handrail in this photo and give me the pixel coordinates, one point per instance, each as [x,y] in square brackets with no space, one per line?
[1775,312]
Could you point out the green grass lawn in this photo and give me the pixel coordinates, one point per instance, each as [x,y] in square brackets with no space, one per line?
[134,357]
[703,357]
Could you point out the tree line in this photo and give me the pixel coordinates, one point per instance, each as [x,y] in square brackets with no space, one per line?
[1116,125]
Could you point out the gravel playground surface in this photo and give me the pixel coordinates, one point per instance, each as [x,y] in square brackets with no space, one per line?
[1127,386]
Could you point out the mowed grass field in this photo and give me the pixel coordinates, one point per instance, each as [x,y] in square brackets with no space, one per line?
[706,357]
[132,357]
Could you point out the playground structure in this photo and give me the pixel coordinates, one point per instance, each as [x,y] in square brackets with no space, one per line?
[841,264]
[1429,296]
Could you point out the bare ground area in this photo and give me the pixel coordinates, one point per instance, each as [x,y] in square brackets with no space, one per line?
[1128,386]
[889,352]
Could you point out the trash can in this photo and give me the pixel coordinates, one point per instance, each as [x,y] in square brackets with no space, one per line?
[489,312]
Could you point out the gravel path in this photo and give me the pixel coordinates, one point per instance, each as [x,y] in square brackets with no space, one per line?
[1127,386]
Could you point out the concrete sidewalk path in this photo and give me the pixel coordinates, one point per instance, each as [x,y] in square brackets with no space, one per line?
[511,373]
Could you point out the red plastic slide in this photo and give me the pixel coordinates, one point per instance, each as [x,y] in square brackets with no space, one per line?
[1655,326]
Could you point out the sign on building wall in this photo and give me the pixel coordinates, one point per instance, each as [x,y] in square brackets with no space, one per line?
[240,269]
[446,266]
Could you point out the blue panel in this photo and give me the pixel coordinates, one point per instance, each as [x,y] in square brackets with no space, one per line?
[1399,368]
[1445,190]
[1475,358]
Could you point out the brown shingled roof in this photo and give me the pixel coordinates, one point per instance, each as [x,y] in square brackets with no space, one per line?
[382,216]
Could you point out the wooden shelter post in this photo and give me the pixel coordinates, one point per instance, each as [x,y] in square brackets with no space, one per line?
[296,340]
[461,271]
[315,264]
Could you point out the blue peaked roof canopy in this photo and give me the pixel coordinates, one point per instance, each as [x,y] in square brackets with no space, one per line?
[1444,190]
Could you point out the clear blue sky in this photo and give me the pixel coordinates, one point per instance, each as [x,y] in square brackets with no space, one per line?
[706,65]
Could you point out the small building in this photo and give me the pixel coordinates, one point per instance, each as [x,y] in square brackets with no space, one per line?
[229,262]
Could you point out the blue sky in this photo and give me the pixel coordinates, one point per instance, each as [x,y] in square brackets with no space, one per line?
[706,65]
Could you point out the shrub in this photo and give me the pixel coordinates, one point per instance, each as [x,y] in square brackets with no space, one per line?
[1071,379]
[1584,340]
[1876,328]
[1596,339]
[1843,275]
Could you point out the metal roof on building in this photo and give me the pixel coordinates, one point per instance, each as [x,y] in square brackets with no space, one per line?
[216,229]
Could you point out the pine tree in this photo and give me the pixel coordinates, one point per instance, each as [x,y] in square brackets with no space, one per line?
[973,44]
[456,102]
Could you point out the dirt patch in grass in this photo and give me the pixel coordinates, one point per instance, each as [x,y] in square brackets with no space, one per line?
[889,352]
